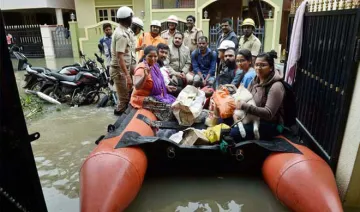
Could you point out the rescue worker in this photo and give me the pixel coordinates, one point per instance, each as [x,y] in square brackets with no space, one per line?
[249,41]
[178,62]
[136,27]
[192,34]
[122,54]
[227,75]
[151,38]
[168,34]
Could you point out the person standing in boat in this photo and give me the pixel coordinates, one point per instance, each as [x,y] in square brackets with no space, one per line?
[150,90]
[121,57]
[268,92]
[245,73]
[168,35]
[192,34]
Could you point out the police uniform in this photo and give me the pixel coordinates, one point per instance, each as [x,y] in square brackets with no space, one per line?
[122,41]
[252,43]
[191,38]
[167,36]
[133,49]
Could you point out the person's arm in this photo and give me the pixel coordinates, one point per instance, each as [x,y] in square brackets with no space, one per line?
[236,79]
[273,103]
[255,49]
[121,45]
[186,67]
[236,41]
[140,77]
[213,64]
[194,63]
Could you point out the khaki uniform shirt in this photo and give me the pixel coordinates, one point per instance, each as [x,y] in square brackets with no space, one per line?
[122,41]
[178,59]
[167,36]
[191,38]
[251,43]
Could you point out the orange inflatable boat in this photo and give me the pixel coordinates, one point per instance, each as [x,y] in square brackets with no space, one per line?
[112,175]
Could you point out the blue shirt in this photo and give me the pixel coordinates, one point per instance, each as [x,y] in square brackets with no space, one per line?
[106,43]
[205,64]
[249,76]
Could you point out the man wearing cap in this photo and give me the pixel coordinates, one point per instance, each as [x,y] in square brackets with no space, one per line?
[136,27]
[192,34]
[249,41]
[168,34]
[121,57]
[150,38]
[226,44]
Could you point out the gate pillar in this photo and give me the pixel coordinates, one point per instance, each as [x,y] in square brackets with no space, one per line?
[48,45]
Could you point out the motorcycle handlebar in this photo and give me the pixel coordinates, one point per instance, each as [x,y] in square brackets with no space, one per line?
[99,59]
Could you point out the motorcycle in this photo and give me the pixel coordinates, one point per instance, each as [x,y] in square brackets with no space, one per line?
[35,76]
[110,91]
[81,89]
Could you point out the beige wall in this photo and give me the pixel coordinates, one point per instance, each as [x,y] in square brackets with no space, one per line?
[352,197]
[85,12]
[350,146]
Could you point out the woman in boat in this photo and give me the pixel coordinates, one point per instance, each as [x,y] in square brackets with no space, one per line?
[268,93]
[150,90]
[245,74]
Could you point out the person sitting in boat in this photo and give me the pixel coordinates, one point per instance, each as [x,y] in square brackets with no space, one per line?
[245,73]
[227,75]
[150,90]
[268,93]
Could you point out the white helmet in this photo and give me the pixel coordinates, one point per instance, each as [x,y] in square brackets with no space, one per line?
[138,22]
[226,44]
[124,12]
[155,23]
[173,19]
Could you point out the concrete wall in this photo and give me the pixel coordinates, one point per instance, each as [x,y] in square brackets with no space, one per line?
[269,28]
[349,151]
[85,12]
[27,4]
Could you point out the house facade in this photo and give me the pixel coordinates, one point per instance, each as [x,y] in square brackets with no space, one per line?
[50,12]
[208,14]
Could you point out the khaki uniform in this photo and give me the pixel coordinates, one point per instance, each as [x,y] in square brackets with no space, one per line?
[133,49]
[191,38]
[252,43]
[179,61]
[122,41]
[167,36]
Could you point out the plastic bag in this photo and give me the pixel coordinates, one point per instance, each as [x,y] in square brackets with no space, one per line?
[188,105]
[211,120]
[213,133]
[224,102]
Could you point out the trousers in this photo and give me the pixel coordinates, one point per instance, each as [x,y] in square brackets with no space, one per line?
[119,78]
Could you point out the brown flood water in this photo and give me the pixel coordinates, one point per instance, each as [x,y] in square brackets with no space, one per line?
[68,136]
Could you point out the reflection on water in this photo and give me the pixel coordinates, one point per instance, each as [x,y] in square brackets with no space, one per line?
[67,138]
[210,194]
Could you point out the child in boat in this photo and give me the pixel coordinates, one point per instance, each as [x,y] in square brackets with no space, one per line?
[268,93]
[245,73]
[150,90]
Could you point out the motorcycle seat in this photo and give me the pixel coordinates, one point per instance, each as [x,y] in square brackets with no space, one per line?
[63,77]
[41,70]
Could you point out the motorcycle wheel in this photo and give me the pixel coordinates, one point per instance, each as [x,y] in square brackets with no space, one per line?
[36,86]
[50,92]
[103,102]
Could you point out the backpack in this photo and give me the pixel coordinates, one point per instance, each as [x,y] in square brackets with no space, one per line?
[289,104]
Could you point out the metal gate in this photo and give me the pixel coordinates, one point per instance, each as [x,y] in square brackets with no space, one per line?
[325,78]
[29,38]
[216,31]
[62,42]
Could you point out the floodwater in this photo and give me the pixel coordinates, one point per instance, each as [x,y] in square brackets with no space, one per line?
[68,136]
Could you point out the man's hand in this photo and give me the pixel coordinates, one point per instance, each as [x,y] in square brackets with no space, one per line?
[129,81]
[182,75]
[171,88]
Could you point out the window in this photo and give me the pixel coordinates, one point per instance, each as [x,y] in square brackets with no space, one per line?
[169,4]
[106,14]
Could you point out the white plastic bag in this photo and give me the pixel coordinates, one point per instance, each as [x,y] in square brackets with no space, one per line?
[188,105]
[165,74]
